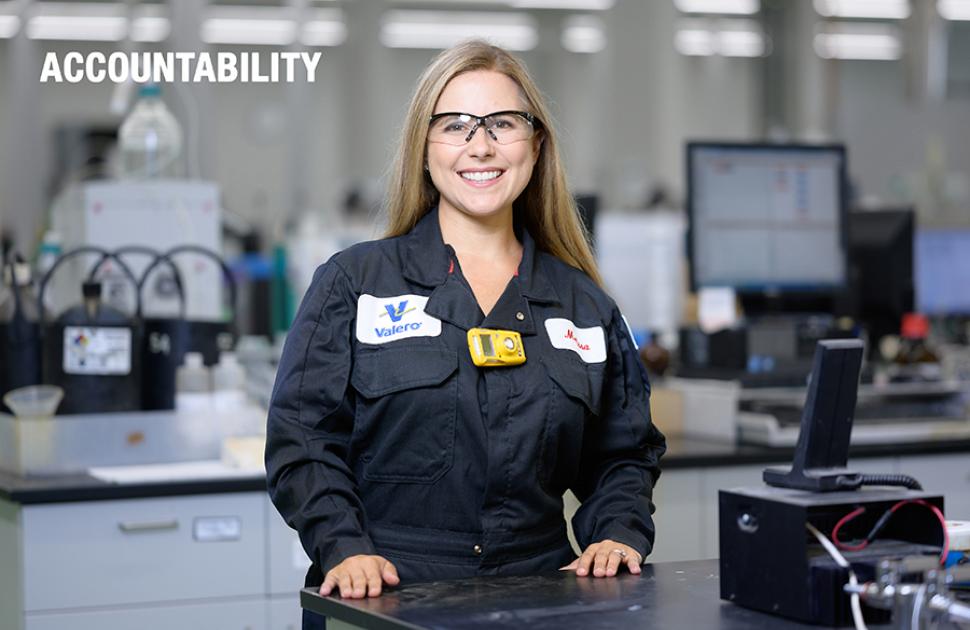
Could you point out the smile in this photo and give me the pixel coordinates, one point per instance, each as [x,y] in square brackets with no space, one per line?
[480,176]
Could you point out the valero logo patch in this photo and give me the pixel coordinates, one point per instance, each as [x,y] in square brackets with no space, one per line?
[385,319]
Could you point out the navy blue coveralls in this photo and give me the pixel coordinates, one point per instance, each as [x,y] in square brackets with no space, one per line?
[384,438]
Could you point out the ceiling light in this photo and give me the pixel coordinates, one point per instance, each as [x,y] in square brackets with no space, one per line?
[9,26]
[721,7]
[565,5]
[444,29]
[703,37]
[864,42]
[150,29]
[583,34]
[954,9]
[873,9]
[77,28]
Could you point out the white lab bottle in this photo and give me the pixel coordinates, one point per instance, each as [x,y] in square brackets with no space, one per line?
[150,139]
[228,383]
[193,384]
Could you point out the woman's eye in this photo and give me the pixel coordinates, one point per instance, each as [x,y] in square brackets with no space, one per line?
[456,127]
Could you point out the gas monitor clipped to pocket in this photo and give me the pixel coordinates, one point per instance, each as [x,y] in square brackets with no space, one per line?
[495,348]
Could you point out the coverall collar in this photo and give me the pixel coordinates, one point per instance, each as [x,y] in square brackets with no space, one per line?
[429,263]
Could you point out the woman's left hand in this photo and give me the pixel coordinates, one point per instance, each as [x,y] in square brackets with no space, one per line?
[605,557]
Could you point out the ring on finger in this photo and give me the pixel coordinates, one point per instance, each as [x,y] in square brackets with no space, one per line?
[622,553]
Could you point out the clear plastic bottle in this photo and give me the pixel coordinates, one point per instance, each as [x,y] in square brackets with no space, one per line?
[228,383]
[193,385]
[150,139]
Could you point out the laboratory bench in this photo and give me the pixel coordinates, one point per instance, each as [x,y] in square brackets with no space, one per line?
[664,595]
[80,552]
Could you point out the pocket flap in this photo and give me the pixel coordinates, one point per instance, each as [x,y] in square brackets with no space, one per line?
[390,370]
[581,381]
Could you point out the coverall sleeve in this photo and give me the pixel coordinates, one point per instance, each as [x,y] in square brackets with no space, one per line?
[310,421]
[621,453]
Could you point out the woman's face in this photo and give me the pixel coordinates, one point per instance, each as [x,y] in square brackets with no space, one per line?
[481,178]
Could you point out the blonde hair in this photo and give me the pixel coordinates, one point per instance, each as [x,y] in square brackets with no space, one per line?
[546,207]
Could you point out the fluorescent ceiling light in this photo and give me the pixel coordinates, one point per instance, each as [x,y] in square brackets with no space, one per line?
[848,41]
[583,34]
[702,37]
[873,9]
[443,29]
[954,9]
[566,5]
[242,31]
[150,29]
[721,7]
[91,21]
[88,28]
[323,33]
[9,26]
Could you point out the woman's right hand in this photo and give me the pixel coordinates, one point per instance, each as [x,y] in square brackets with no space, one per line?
[360,576]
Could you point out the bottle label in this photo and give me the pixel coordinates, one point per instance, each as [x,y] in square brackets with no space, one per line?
[97,351]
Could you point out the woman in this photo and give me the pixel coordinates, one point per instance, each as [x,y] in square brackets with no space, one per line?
[392,453]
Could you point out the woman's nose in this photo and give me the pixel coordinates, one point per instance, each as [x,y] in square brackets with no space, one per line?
[480,143]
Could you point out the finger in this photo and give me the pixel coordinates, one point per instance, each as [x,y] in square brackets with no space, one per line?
[613,560]
[346,585]
[586,560]
[571,566]
[389,573]
[328,583]
[599,563]
[633,563]
[372,574]
[359,581]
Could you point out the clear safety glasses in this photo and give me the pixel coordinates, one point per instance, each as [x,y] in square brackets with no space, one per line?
[504,127]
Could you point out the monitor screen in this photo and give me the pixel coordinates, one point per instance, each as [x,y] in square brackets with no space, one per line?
[943,271]
[766,218]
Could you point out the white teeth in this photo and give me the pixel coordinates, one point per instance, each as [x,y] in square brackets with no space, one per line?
[481,176]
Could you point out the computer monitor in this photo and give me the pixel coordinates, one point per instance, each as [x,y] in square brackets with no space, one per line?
[881,268]
[767,219]
[943,272]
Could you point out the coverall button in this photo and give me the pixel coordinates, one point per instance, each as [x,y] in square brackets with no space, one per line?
[520,316]
[477,549]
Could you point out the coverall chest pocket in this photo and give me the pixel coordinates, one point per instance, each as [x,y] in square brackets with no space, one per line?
[574,395]
[404,426]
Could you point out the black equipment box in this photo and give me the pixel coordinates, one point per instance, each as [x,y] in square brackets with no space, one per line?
[772,563]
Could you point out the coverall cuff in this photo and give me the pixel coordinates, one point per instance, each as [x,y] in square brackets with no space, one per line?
[346,547]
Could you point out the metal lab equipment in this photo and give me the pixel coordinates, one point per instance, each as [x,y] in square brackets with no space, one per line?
[91,350]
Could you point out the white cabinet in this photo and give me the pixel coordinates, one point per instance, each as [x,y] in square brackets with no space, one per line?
[237,615]
[285,613]
[106,553]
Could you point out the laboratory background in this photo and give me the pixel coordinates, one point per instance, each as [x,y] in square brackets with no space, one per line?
[778,197]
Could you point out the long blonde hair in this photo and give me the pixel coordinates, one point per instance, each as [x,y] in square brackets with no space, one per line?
[546,207]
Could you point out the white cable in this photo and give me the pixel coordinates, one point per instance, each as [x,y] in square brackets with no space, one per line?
[840,560]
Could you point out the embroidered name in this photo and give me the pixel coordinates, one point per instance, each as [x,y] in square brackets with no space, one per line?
[588,343]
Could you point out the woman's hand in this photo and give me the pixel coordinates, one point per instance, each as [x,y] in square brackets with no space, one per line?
[605,557]
[360,576]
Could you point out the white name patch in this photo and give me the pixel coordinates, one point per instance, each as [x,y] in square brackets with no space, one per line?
[588,343]
[380,320]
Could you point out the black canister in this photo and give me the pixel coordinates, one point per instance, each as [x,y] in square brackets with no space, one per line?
[19,332]
[164,342]
[92,349]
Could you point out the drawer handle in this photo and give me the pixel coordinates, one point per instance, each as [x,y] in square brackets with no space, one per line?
[130,527]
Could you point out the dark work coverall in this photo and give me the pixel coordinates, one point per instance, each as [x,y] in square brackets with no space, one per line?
[384,438]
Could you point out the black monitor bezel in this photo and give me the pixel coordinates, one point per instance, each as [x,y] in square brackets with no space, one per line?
[839,148]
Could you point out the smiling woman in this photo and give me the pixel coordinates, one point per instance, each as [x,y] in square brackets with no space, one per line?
[403,443]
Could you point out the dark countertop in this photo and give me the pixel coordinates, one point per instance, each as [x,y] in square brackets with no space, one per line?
[665,595]
[682,453]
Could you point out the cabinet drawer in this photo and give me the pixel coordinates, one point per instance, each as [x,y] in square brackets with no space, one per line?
[104,553]
[242,615]
[285,614]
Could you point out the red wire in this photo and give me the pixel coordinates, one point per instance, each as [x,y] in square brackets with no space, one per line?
[842,521]
[859,510]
